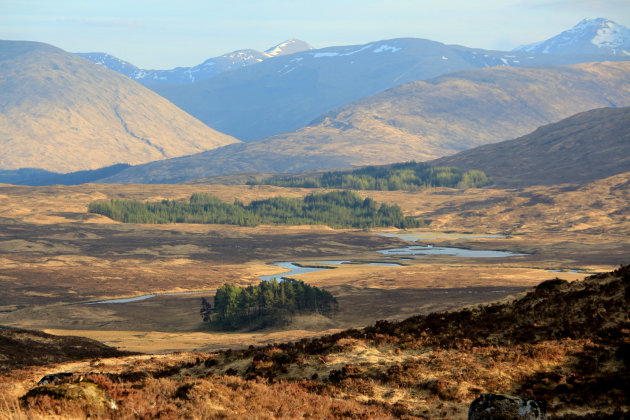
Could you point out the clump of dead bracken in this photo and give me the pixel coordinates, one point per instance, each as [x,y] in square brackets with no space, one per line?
[565,343]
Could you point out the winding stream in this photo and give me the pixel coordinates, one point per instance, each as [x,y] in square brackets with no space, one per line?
[411,250]
[143,297]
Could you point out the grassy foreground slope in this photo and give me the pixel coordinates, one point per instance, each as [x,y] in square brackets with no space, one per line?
[565,343]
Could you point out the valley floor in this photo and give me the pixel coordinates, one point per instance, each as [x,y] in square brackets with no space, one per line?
[54,257]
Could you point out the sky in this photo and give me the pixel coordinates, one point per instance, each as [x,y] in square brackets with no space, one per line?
[161,34]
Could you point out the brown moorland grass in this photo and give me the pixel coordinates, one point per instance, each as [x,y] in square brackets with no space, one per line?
[565,343]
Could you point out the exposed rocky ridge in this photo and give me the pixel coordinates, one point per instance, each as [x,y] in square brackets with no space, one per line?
[417,121]
[579,149]
[61,113]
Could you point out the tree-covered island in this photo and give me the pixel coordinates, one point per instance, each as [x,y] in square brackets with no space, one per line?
[270,303]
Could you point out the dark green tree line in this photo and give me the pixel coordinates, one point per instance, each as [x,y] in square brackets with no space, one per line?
[340,209]
[409,176]
[270,303]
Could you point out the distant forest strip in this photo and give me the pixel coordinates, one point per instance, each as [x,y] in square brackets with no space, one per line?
[268,304]
[337,209]
[409,176]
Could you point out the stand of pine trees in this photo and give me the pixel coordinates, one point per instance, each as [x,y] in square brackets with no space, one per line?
[409,176]
[337,209]
[270,303]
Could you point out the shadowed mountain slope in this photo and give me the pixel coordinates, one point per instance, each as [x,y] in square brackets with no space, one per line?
[417,121]
[62,113]
[585,147]
[19,348]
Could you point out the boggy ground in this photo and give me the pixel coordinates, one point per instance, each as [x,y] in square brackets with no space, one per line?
[54,256]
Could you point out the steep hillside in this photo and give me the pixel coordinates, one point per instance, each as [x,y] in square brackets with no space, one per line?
[566,344]
[286,93]
[585,147]
[417,121]
[62,113]
[590,36]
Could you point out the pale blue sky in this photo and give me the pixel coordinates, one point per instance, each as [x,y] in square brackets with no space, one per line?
[160,34]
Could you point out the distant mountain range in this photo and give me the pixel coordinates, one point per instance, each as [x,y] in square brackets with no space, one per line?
[585,147]
[289,91]
[61,113]
[590,36]
[209,68]
[416,121]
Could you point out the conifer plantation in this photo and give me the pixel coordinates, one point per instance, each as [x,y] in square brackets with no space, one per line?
[408,176]
[270,303]
[337,209]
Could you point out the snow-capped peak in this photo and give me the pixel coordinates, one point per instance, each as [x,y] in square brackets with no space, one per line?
[589,36]
[289,46]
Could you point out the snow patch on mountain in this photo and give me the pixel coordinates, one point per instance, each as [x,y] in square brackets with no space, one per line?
[208,69]
[290,46]
[344,53]
[326,54]
[590,36]
[384,48]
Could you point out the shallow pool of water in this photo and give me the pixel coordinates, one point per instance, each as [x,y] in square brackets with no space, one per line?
[456,252]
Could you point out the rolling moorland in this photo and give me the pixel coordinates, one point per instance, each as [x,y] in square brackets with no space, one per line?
[518,287]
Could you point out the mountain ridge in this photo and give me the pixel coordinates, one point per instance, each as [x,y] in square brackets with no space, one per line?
[207,69]
[591,36]
[286,93]
[417,121]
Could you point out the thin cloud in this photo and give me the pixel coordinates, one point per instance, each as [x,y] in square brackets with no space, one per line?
[100,22]
[564,5]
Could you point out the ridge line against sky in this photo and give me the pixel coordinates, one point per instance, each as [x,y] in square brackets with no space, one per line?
[160,34]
